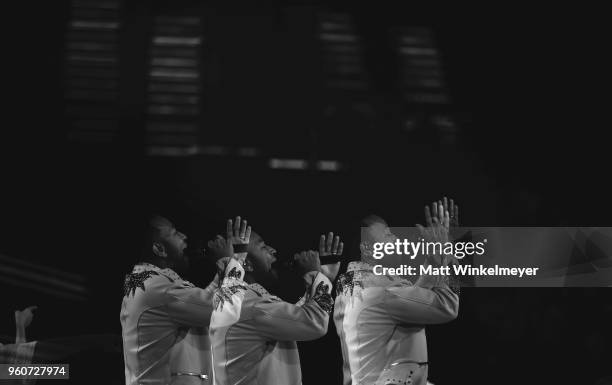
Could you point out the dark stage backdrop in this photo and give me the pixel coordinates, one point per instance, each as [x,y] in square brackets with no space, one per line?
[529,147]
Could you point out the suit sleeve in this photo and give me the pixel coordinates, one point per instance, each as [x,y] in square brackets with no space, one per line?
[418,305]
[282,321]
[192,306]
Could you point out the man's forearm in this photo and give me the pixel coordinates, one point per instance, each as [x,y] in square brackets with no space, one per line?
[20,336]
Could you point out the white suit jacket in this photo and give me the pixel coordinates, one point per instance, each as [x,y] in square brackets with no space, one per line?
[381,324]
[253,333]
[164,322]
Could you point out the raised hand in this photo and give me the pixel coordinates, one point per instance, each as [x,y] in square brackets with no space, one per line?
[453,211]
[306,261]
[218,248]
[238,236]
[436,231]
[330,246]
[437,224]
[447,205]
[25,316]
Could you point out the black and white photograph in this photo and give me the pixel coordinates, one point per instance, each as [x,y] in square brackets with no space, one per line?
[286,193]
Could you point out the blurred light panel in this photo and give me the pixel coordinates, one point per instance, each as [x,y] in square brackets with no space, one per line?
[288,164]
[342,52]
[347,82]
[171,148]
[18,273]
[95,25]
[176,41]
[425,94]
[174,94]
[168,150]
[422,79]
[214,150]
[92,71]
[329,165]
[248,152]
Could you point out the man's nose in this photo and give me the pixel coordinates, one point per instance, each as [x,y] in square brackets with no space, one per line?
[183,236]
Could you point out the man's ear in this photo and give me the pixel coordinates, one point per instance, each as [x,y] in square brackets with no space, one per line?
[247,264]
[159,250]
[366,249]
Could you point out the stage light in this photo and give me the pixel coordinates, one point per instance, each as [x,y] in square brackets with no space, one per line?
[289,164]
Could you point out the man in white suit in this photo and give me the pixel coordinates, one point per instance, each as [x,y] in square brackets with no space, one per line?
[164,318]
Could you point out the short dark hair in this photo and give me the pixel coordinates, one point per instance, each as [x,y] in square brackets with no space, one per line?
[150,234]
[371,219]
[354,235]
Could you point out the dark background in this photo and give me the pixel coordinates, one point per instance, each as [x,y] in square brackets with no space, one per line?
[529,96]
